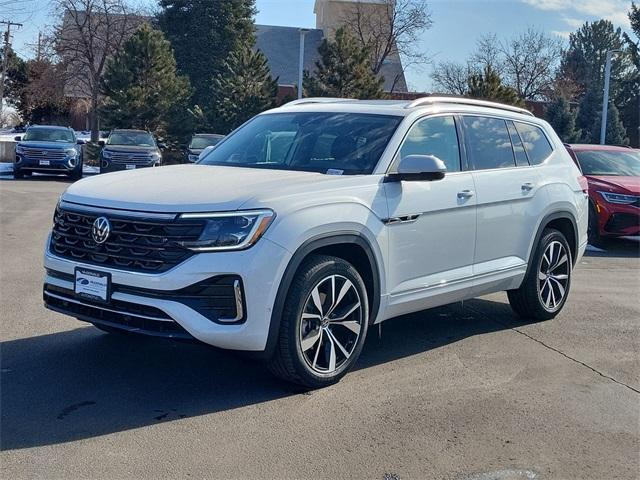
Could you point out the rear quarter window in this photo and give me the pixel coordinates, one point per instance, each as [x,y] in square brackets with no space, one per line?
[536,143]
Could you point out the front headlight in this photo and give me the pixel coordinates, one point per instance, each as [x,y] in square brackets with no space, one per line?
[106,154]
[619,198]
[19,149]
[155,156]
[71,152]
[229,231]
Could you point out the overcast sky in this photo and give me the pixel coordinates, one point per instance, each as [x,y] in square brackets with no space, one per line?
[456,23]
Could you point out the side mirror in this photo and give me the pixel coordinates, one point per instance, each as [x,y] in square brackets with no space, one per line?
[419,168]
[162,146]
[101,143]
[18,138]
[80,142]
[206,151]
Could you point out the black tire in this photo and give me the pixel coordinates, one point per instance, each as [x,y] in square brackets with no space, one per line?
[527,301]
[289,362]
[17,173]
[593,232]
[76,173]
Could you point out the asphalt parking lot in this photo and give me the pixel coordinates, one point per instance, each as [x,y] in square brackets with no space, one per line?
[459,392]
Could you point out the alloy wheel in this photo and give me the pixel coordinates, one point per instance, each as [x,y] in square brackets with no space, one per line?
[553,275]
[331,323]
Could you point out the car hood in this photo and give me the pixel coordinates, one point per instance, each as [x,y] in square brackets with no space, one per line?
[129,148]
[191,188]
[614,183]
[48,145]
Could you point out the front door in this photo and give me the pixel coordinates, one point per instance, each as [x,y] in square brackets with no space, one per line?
[432,224]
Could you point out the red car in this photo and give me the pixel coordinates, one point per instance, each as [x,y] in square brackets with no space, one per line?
[613,175]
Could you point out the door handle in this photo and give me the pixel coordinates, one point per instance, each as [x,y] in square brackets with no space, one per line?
[527,187]
[465,194]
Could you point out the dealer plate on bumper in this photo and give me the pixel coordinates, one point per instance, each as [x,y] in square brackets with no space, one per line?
[45,163]
[92,285]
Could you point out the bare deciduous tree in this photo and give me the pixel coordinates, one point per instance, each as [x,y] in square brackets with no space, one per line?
[527,63]
[390,33]
[530,62]
[488,53]
[451,77]
[90,31]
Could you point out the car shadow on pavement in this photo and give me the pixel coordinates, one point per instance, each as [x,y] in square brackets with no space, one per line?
[83,383]
[624,247]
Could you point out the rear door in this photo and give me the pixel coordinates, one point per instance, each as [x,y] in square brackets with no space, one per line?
[509,198]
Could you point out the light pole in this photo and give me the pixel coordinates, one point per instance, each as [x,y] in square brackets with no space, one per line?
[303,32]
[605,97]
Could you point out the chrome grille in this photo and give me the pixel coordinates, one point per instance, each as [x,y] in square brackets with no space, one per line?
[146,245]
[130,158]
[43,154]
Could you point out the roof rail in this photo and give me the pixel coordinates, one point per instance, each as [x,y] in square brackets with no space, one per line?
[467,101]
[304,101]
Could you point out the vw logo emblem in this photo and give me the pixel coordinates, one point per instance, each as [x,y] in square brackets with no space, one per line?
[101,230]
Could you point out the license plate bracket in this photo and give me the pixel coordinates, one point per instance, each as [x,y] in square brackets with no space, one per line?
[92,285]
[130,167]
[45,163]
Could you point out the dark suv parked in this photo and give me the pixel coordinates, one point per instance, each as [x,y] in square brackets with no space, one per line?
[48,149]
[199,142]
[128,150]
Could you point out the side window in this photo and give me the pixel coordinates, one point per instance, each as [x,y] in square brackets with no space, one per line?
[489,142]
[434,136]
[518,148]
[535,142]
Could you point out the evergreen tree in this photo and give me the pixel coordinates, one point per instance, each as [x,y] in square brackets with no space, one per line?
[243,89]
[203,33]
[488,86]
[343,71]
[563,120]
[141,87]
[589,119]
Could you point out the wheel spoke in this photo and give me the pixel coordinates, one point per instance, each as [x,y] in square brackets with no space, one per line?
[542,276]
[343,291]
[553,294]
[560,277]
[560,287]
[311,316]
[311,339]
[335,340]
[315,295]
[353,308]
[548,301]
[551,245]
[350,324]
[562,260]
[315,357]
[332,354]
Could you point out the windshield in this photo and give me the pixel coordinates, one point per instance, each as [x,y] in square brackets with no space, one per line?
[335,143]
[140,139]
[203,142]
[603,162]
[49,135]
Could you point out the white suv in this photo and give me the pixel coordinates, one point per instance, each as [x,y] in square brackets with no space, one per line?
[316,220]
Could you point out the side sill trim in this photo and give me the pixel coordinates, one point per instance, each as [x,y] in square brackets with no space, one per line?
[456,281]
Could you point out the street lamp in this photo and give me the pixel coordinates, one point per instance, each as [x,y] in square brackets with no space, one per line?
[303,32]
[605,97]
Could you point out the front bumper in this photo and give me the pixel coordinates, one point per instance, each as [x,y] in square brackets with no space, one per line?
[65,165]
[149,299]
[618,220]
[108,166]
